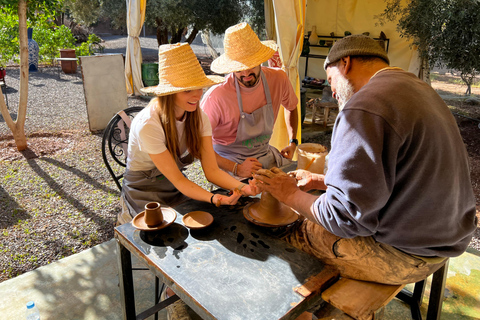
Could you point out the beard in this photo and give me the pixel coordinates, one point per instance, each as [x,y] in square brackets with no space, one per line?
[250,83]
[344,91]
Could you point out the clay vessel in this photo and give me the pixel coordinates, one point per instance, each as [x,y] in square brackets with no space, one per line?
[271,211]
[311,157]
[313,40]
[153,214]
[68,66]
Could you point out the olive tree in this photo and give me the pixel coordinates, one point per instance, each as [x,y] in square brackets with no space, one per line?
[447,32]
[174,19]
[179,18]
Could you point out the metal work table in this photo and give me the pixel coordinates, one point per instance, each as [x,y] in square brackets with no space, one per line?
[232,269]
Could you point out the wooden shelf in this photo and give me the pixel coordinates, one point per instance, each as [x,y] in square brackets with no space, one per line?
[323,56]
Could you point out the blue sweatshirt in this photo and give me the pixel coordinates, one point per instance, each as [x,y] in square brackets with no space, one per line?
[398,170]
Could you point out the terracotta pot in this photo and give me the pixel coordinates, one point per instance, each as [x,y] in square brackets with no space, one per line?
[153,214]
[68,66]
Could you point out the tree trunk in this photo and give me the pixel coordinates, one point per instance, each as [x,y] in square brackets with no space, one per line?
[425,71]
[192,35]
[177,35]
[206,40]
[162,32]
[18,126]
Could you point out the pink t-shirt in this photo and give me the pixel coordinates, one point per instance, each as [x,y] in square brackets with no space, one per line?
[221,105]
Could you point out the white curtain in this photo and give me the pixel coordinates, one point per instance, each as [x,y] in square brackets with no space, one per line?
[289,18]
[133,59]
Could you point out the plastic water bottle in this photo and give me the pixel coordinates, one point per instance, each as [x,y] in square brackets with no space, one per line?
[32,311]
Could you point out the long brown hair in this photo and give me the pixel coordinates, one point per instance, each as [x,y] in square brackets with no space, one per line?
[165,107]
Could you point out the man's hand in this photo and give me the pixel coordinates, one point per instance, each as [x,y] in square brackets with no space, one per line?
[307,180]
[289,151]
[248,167]
[278,183]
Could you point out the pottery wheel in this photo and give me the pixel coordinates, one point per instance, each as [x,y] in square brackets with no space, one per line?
[282,217]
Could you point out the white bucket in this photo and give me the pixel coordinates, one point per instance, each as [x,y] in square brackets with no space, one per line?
[311,157]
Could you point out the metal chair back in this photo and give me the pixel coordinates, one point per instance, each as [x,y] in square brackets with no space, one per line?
[115,143]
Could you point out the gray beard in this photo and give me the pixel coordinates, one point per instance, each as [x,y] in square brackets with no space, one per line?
[344,91]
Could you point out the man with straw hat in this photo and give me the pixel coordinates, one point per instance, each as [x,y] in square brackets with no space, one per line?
[398,198]
[243,109]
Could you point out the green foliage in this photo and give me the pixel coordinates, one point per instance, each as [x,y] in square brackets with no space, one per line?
[51,39]
[85,12]
[34,7]
[212,15]
[255,16]
[90,47]
[9,44]
[116,13]
[447,32]
[172,17]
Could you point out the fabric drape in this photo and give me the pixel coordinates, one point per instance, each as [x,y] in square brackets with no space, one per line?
[133,56]
[289,24]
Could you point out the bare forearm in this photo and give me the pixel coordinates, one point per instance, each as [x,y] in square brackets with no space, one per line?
[192,190]
[303,203]
[224,163]
[222,179]
[291,121]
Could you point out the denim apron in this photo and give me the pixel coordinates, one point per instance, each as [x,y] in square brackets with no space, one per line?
[253,134]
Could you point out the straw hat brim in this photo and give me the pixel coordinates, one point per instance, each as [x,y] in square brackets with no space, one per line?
[224,64]
[166,89]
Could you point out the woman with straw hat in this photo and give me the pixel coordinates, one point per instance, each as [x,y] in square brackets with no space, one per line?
[243,109]
[169,133]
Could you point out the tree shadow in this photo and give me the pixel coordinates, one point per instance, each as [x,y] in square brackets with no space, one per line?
[12,114]
[58,188]
[10,210]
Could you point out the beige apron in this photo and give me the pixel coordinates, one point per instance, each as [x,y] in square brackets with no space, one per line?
[141,187]
[253,134]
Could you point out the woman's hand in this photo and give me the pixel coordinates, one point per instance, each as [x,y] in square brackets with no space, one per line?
[308,181]
[249,190]
[219,199]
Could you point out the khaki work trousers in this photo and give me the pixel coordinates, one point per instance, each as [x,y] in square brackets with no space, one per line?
[361,258]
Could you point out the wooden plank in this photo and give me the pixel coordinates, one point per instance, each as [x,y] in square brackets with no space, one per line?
[360,299]
[318,282]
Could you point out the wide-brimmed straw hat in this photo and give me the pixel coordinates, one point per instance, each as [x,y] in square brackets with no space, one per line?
[179,70]
[243,50]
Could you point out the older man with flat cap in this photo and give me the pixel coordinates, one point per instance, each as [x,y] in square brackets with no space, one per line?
[398,198]
[244,108]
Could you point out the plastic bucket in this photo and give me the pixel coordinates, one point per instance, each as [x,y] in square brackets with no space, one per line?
[311,157]
[150,74]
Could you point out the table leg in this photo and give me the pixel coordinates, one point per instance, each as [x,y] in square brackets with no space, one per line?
[127,293]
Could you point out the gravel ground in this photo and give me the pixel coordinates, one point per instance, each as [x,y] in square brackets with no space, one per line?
[57,197]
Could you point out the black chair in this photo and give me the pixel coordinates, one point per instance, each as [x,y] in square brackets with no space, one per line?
[115,142]
[115,152]
[3,84]
[437,289]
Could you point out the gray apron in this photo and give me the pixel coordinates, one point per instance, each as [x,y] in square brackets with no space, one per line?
[253,134]
[141,187]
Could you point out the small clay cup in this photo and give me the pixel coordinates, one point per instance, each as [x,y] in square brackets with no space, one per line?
[153,214]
